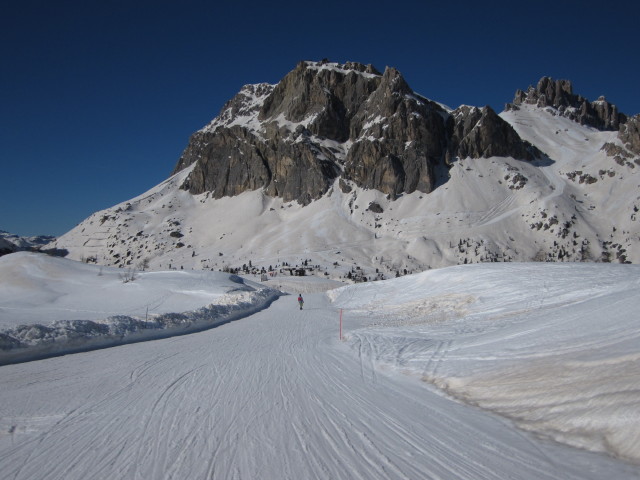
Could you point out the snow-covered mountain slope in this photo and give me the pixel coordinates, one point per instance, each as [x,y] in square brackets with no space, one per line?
[577,204]
[602,191]
[278,395]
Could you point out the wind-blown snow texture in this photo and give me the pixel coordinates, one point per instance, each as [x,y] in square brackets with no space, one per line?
[277,395]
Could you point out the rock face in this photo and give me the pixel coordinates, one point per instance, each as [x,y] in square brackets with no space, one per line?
[630,134]
[398,138]
[559,94]
[323,97]
[325,120]
[627,150]
[482,133]
[287,139]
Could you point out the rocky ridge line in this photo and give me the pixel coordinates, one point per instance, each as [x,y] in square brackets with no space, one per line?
[559,94]
[324,120]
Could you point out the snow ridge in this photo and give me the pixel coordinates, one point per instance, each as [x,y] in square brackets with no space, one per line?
[36,341]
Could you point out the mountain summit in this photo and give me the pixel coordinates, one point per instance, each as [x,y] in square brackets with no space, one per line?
[559,94]
[326,120]
[342,169]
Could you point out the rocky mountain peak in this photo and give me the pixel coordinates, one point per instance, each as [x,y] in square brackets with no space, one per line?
[394,82]
[558,94]
[244,105]
[323,96]
[398,139]
[481,133]
[325,120]
[325,64]
[357,143]
[548,93]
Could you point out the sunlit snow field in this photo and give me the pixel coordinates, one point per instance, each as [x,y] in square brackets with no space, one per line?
[554,347]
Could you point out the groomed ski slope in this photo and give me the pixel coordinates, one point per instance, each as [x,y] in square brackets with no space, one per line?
[273,396]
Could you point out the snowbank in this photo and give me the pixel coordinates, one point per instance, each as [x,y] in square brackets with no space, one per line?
[63,306]
[555,347]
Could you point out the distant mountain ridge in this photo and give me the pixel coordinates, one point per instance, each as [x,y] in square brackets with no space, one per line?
[341,165]
[10,243]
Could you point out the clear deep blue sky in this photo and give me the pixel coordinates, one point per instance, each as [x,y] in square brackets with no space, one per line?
[98,98]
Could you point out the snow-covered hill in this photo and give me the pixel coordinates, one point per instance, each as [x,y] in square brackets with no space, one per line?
[577,204]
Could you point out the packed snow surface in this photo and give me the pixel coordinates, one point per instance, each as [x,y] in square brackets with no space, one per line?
[552,348]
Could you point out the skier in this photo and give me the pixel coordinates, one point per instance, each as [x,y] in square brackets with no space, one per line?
[300,301]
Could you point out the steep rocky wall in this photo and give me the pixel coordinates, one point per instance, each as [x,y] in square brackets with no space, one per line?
[325,120]
[559,94]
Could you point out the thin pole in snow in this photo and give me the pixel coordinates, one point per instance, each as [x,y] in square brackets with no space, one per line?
[340,324]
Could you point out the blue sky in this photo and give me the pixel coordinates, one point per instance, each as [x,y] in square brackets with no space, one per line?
[99,98]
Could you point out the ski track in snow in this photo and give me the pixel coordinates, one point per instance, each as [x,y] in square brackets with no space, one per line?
[300,405]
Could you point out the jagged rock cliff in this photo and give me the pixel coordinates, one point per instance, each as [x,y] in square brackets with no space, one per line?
[324,120]
[398,138]
[630,134]
[559,94]
[481,133]
[626,151]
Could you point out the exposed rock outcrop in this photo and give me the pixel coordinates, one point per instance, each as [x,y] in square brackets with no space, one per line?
[325,120]
[6,247]
[629,133]
[627,151]
[398,137]
[559,94]
[324,96]
[480,132]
